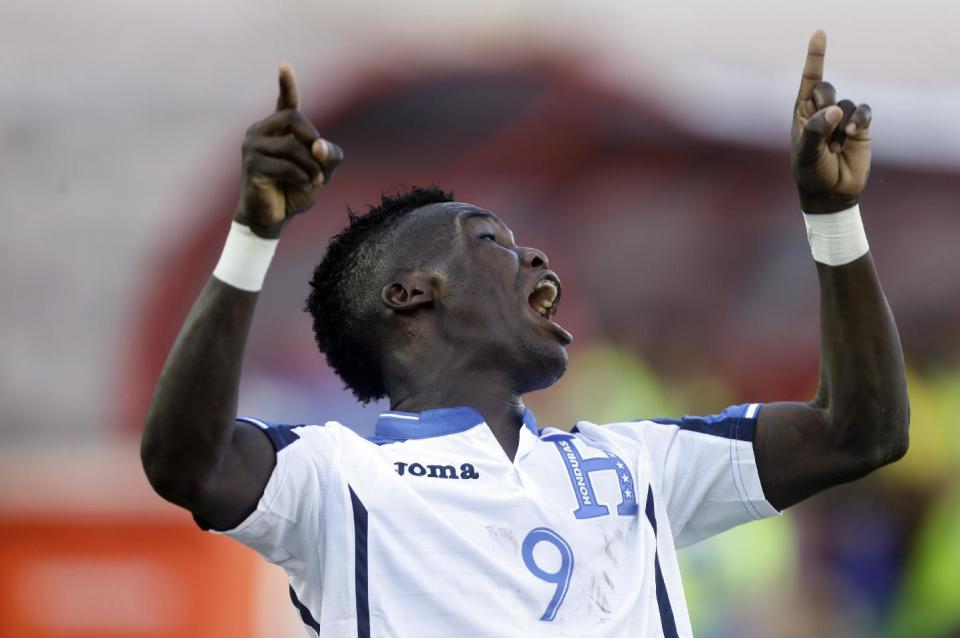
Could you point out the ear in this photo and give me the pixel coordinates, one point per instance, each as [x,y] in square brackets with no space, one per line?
[409,291]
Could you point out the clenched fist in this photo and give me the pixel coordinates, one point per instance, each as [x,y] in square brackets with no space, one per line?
[285,164]
[830,140]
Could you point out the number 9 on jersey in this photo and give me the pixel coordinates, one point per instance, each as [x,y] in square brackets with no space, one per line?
[561,577]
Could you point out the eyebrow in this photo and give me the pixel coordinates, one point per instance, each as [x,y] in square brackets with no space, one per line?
[485,214]
[480,213]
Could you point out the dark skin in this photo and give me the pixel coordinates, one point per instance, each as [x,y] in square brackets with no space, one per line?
[463,321]
[456,327]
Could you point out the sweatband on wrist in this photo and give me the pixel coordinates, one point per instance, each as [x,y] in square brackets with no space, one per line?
[836,238]
[245,259]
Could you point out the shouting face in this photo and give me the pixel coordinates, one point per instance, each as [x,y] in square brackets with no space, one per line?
[484,302]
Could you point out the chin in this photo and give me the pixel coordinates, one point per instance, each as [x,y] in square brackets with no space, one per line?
[543,366]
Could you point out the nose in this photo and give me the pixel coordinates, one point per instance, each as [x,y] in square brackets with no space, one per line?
[534,258]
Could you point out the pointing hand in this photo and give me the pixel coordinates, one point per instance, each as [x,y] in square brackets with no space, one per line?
[830,140]
[285,164]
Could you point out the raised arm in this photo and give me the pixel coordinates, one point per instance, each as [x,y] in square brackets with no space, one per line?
[193,452]
[859,418]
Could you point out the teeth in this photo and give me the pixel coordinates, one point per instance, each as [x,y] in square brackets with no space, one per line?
[551,288]
[544,297]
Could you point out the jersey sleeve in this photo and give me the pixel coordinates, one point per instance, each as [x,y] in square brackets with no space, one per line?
[288,518]
[706,469]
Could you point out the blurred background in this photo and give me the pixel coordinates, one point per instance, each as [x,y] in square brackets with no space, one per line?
[643,146]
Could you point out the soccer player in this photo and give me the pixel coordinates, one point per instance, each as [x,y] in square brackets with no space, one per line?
[461,516]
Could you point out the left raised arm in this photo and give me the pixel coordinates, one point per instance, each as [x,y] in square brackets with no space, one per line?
[858,420]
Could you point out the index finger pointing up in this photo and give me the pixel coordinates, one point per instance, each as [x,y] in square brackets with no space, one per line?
[813,67]
[289,97]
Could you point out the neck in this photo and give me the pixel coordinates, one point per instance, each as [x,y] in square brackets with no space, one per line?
[488,393]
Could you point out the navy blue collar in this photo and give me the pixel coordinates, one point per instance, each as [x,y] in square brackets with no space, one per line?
[400,426]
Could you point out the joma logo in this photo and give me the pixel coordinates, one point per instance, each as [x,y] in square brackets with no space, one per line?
[467,471]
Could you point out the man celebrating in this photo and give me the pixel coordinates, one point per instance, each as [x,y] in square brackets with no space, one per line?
[461,516]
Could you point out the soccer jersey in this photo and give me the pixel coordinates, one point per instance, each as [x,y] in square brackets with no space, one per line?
[429,529]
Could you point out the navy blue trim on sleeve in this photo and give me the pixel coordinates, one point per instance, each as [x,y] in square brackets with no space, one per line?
[280,435]
[736,422]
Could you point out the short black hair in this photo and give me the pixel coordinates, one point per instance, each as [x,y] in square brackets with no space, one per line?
[341,325]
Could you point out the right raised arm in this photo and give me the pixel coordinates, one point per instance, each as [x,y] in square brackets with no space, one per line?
[194,452]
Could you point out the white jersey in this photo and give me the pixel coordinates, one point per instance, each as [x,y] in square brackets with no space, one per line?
[429,529]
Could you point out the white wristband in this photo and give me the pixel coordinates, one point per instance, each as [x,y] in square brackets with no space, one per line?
[245,259]
[836,238]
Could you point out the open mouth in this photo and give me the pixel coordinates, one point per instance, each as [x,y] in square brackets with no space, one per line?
[545,297]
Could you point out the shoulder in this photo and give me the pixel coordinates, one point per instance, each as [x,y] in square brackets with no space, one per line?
[287,437]
[736,422]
